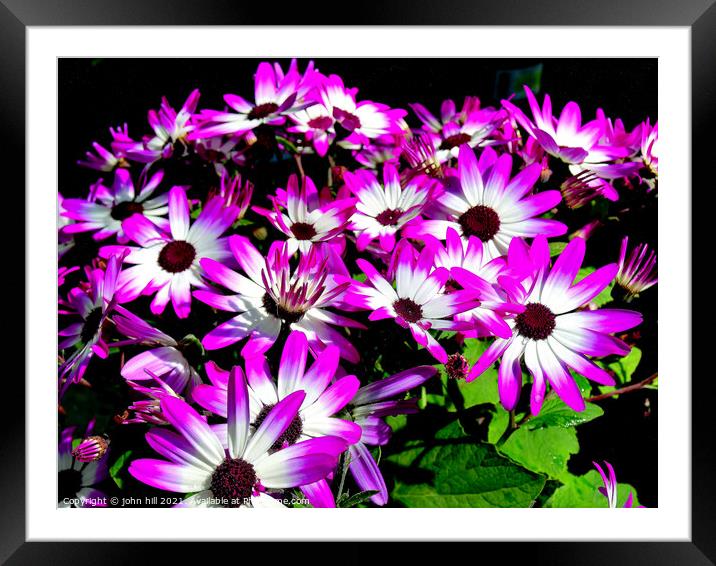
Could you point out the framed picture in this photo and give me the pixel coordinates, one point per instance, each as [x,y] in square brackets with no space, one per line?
[405,269]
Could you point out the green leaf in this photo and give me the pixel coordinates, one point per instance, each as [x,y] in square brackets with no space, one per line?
[625,367]
[498,424]
[602,298]
[455,471]
[474,348]
[397,422]
[556,248]
[582,491]
[481,390]
[555,412]
[542,450]
[116,468]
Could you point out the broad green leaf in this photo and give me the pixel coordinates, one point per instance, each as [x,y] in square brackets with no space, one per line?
[582,491]
[117,467]
[498,424]
[455,471]
[481,390]
[543,450]
[556,413]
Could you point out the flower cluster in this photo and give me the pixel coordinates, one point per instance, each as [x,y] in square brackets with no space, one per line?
[259,386]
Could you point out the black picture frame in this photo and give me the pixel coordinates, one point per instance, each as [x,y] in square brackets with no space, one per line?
[698,15]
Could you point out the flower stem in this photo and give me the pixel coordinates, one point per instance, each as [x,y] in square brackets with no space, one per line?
[633,387]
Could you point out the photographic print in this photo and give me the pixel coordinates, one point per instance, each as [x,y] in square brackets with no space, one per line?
[356,283]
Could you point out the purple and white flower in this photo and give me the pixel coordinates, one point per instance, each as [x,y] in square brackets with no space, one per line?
[271,294]
[167,263]
[324,397]
[491,204]
[276,96]
[638,271]
[550,333]
[249,470]
[106,208]
[166,357]
[93,303]
[306,221]
[382,210]
[417,301]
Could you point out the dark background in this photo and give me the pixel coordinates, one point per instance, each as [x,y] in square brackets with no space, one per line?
[96,94]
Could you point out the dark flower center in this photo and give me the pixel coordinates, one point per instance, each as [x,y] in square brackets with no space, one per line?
[349,121]
[303,231]
[456,366]
[408,310]
[176,256]
[289,436]
[536,322]
[480,221]
[90,328]
[283,314]
[69,482]
[233,482]
[123,210]
[263,110]
[320,123]
[389,217]
[455,141]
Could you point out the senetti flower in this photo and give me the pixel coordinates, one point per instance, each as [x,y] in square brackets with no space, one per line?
[167,263]
[550,333]
[323,399]
[76,478]
[167,357]
[382,210]
[637,272]
[91,448]
[369,406]
[317,125]
[488,317]
[564,138]
[271,294]
[171,129]
[472,126]
[417,301]
[276,96]
[610,487]
[244,474]
[419,152]
[306,221]
[103,159]
[234,192]
[106,208]
[93,303]
[491,204]
[365,120]
[148,409]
